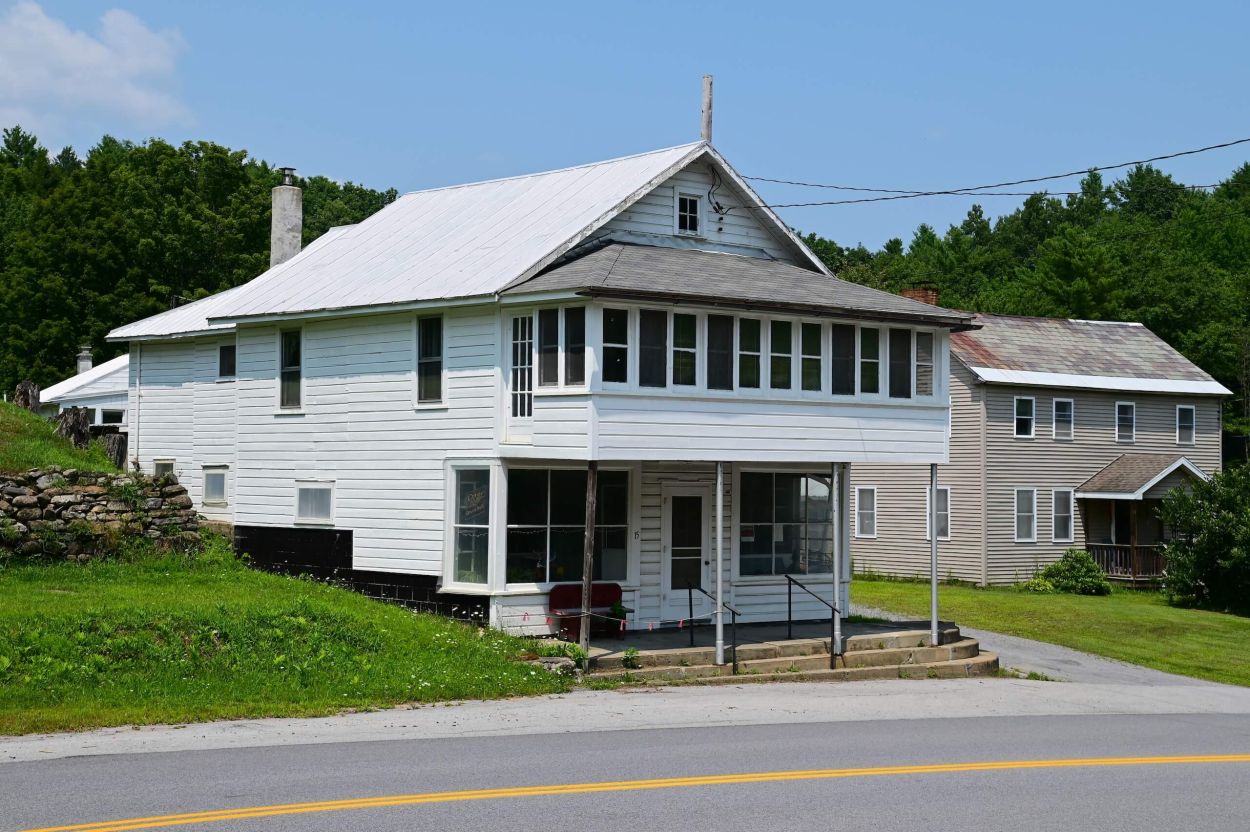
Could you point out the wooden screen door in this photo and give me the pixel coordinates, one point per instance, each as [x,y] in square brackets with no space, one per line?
[686,556]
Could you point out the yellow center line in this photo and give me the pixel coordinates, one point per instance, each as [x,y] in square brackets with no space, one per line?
[245,813]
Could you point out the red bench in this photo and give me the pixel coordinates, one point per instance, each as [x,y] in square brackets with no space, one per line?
[565,603]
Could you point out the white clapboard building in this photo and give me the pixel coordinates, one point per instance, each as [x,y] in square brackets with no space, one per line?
[413,403]
[101,389]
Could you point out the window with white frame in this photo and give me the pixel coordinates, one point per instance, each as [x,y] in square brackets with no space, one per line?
[869,361]
[546,519]
[865,511]
[924,363]
[1025,417]
[112,417]
[1026,515]
[784,524]
[652,348]
[215,485]
[781,352]
[291,368]
[943,513]
[1125,421]
[227,355]
[471,540]
[1064,419]
[163,468]
[616,345]
[810,350]
[1185,424]
[562,332]
[900,363]
[720,352]
[689,214]
[548,347]
[685,349]
[430,360]
[842,359]
[522,373]
[1061,514]
[748,353]
[314,502]
[575,346]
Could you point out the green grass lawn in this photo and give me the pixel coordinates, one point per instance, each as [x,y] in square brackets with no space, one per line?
[174,639]
[1137,627]
[30,441]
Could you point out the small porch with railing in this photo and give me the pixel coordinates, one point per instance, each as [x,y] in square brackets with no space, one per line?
[1129,563]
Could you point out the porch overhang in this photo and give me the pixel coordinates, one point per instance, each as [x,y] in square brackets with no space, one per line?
[1132,476]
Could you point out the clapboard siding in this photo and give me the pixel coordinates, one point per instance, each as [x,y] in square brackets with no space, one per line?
[901,546]
[166,427]
[655,214]
[213,433]
[1046,464]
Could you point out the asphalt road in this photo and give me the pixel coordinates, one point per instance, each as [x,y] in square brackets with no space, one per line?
[1128,796]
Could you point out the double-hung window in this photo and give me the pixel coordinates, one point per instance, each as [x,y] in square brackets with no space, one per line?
[781,352]
[1064,419]
[226,361]
[869,361]
[720,352]
[616,345]
[430,360]
[685,349]
[842,359]
[1061,515]
[547,525]
[575,345]
[748,353]
[1025,417]
[810,350]
[943,513]
[1185,424]
[548,347]
[1026,515]
[471,541]
[785,524]
[559,328]
[215,485]
[1125,421]
[290,378]
[652,348]
[924,363]
[866,511]
[900,363]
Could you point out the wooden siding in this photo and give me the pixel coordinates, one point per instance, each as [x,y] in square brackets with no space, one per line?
[901,546]
[655,215]
[166,427]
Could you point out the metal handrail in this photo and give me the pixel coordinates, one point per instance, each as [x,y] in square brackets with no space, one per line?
[834,647]
[734,612]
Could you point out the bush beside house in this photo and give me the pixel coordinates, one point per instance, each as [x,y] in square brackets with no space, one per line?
[1208,559]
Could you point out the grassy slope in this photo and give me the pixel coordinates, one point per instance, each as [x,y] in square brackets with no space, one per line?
[172,640]
[1136,627]
[29,441]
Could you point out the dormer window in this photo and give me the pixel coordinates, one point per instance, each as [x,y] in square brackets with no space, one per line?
[689,214]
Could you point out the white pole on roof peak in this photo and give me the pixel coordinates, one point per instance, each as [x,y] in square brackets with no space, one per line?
[706,132]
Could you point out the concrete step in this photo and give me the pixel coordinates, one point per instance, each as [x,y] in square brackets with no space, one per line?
[692,656]
[904,638]
[984,664]
[962,649]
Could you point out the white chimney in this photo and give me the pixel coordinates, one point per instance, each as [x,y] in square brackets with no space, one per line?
[286,230]
[84,358]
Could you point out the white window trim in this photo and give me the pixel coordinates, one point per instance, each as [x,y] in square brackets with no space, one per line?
[698,352]
[739,351]
[449,583]
[313,521]
[1071,515]
[823,390]
[1132,439]
[933,365]
[735,526]
[1015,417]
[928,515]
[876,512]
[235,344]
[1054,420]
[1015,515]
[417,404]
[303,374]
[1193,421]
[630,347]
[881,361]
[702,219]
[224,470]
[791,390]
[173,465]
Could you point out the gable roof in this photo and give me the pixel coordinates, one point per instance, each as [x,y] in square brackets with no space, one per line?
[650,272]
[459,242]
[1098,355]
[101,375]
[1130,476]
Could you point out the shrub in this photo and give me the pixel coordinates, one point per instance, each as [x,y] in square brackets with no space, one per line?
[1078,573]
[1036,584]
[1208,559]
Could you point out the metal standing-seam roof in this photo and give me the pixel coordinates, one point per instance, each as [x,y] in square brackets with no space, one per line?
[1100,355]
[101,374]
[638,271]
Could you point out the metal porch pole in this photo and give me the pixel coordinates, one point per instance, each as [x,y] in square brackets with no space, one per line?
[836,519]
[720,575]
[933,554]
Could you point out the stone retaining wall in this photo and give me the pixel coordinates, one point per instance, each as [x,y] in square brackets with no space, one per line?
[66,513]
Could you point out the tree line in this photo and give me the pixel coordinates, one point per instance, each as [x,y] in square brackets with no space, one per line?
[129,231]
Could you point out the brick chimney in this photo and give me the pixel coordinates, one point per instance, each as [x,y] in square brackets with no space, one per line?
[286,229]
[84,359]
[924,294]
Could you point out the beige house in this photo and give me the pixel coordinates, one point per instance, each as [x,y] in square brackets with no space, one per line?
[1063,434]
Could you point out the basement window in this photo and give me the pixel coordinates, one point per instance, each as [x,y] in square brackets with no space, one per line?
[689,211]
[112,417]
[214,485]
[314,502]
[163,468]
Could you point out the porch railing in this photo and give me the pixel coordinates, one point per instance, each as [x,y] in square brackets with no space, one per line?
[691,589]
[1119,560]
[834,647]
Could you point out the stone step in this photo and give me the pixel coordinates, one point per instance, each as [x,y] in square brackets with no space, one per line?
[962,649]
[904,638]
[706,655]
[984,664]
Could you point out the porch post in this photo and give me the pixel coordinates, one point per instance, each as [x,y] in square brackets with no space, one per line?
[720,575]
[1132,540]
[835,544]
[588,551]
[933,554]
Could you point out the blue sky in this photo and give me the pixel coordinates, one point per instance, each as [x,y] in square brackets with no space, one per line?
[412,95]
